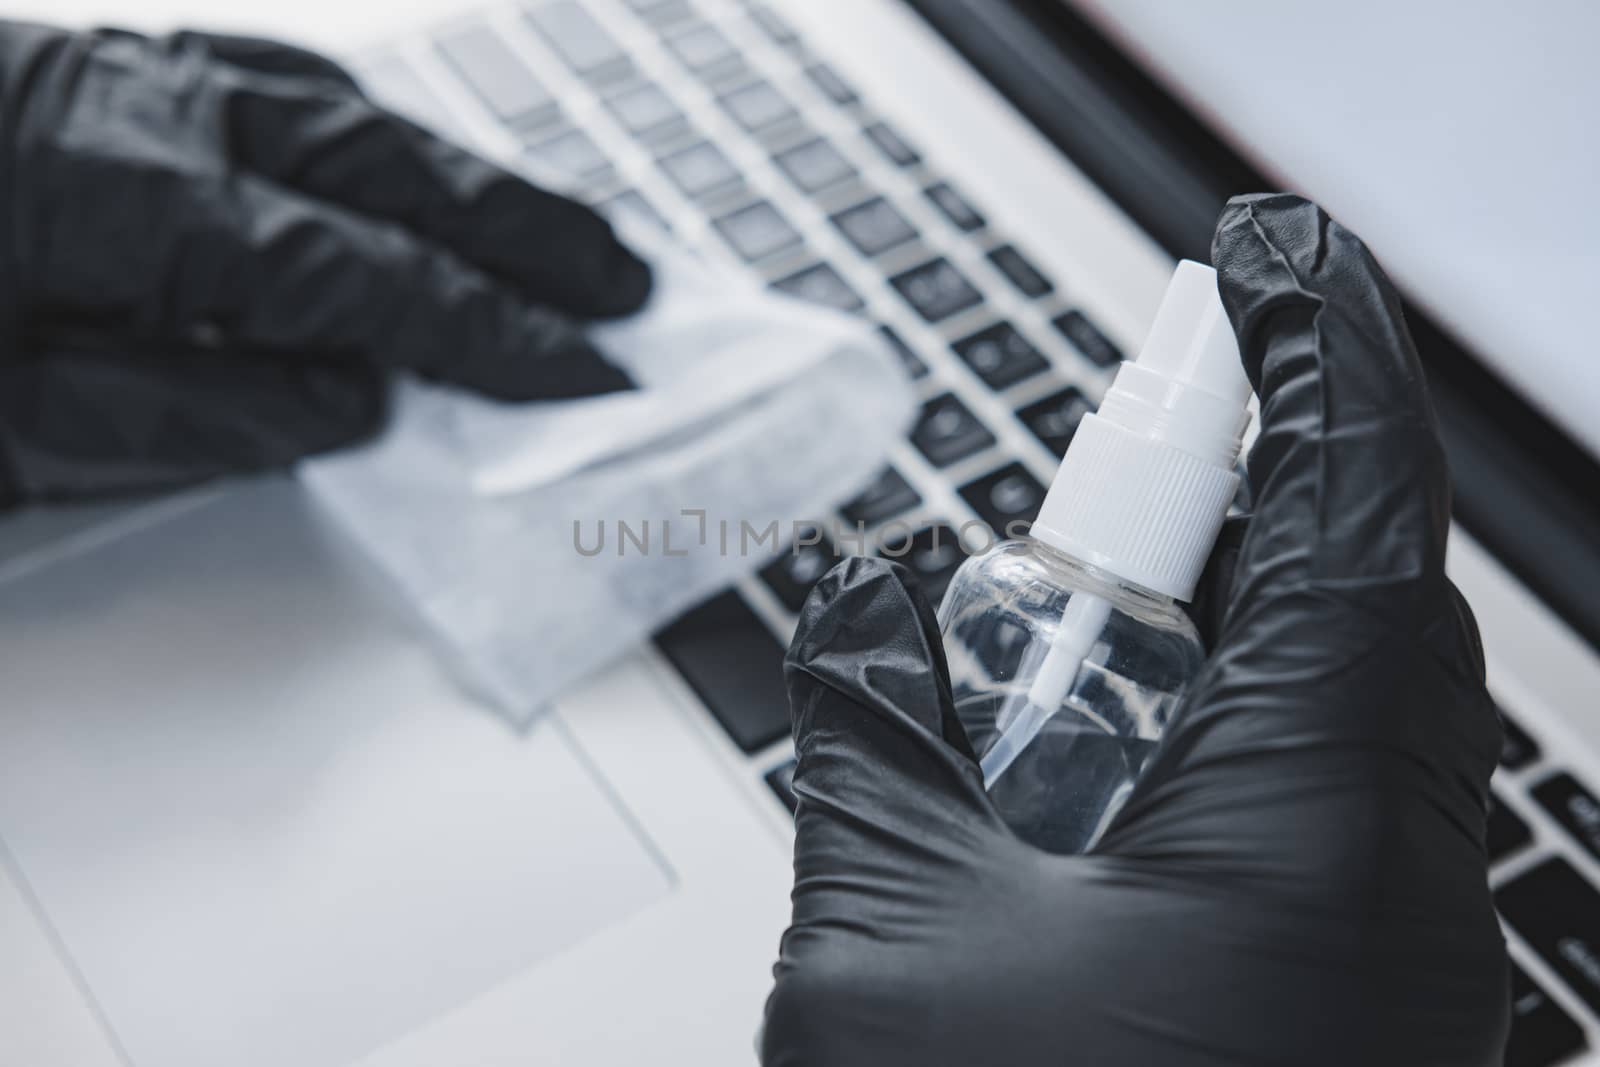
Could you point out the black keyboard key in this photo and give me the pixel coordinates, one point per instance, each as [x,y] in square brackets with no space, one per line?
[1088,339]
[909,360]
[792,574]
[947,431]
[874,227]
[937,290]
[645,111]
[832,86]
[774,25]
[821,284]
[933,554]
[571,153]
[961,214]
[631,202]
[1024,275]
[1542,1033]
[700,169]
[1055,419]
[1007,500]
[757,106]
[757,231]
[885,498]
[1000,355]
[814,165]
[781,781]
[734,664]
[579,40]
[1574,807]
[704,49]
[892,145]
[1558,913]
[504,82]
[1506,831]
[1517,749]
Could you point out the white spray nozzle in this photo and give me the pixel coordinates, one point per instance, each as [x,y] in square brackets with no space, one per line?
[1187,389]
[1147,479]
[1191,341]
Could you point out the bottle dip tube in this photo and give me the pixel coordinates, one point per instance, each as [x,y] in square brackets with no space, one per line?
[1068,649]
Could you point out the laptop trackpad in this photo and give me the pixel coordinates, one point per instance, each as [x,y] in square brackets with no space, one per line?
[265,827]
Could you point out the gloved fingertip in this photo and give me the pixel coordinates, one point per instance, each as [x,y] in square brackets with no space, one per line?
[604,377]
[353,401]
[578,371]
[623,282]
[1260,217]
[869,634]
[596,275]
[858,604]
[1266,201]
[1253,249]
[566,372]
[1259,234]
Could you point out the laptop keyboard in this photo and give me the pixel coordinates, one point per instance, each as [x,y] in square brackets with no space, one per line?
[1543,827]
[713,119]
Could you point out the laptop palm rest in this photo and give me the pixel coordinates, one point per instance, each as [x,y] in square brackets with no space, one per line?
[262,823]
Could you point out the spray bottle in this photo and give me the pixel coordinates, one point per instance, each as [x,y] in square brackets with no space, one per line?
[1068,650]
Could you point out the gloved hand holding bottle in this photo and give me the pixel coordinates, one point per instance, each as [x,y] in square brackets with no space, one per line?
[1299,875]
[217,250]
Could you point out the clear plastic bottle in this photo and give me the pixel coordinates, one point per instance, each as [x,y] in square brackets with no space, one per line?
[1068,649]
[1000,618]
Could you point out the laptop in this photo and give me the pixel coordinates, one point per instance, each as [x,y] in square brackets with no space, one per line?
[246,818]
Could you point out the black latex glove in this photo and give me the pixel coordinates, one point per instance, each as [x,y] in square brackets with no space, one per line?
[1299,879]
[215,249]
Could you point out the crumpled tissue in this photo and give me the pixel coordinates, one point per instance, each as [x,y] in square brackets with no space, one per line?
[540,541]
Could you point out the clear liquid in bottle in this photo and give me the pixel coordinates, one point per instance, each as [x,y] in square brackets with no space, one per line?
[1135,651]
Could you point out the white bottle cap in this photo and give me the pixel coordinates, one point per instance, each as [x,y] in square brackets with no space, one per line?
[1147,480]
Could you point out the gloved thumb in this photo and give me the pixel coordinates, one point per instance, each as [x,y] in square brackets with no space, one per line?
[881,754]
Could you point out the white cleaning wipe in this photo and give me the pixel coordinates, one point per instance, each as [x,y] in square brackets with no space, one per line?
[539,541]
